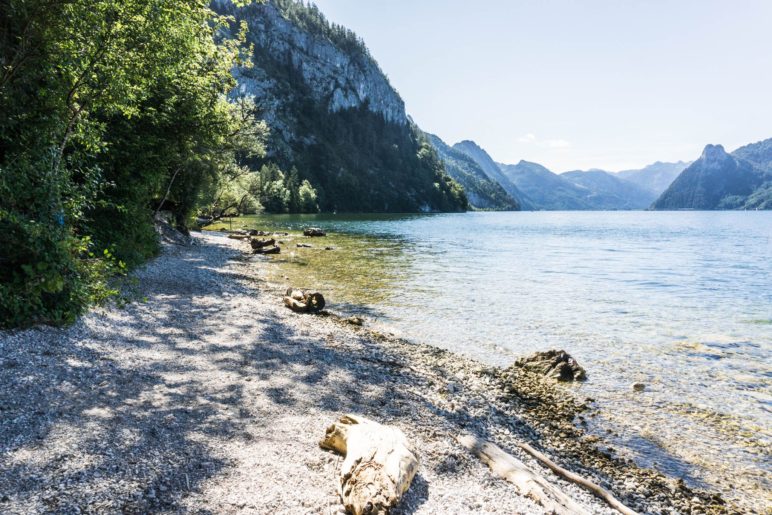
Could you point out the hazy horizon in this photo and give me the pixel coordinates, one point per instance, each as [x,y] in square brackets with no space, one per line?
[599,84]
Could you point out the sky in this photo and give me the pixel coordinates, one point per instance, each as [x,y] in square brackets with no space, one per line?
[570,84]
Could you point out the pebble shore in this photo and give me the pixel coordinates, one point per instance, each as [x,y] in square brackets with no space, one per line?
[206,395]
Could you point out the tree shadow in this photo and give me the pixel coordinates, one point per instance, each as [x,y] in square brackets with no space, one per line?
[118,412]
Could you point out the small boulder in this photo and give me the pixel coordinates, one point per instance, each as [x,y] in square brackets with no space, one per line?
[556,364]
[313,232]
[639,387]
[354,320]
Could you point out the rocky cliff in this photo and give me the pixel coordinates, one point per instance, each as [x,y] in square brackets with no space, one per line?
[333,114]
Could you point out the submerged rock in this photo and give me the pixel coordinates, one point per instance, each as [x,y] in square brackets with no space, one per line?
[556,364]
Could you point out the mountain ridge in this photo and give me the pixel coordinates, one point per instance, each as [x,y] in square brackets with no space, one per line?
[655,177]
[489,166]
[719,180]
[482,191]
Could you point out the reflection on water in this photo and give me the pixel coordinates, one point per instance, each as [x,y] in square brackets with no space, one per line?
[679,301]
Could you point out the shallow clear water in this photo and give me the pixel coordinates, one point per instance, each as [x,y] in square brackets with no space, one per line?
[681,301]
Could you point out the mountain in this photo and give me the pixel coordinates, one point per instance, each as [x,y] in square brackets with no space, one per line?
[718,180]
[544,189]
[760,154]
[333,114]
[608,191]
[492,170]
[656,177]
[482,191]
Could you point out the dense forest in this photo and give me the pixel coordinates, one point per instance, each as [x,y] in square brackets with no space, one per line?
[111,112]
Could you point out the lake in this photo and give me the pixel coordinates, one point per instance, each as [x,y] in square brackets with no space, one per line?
[679,301]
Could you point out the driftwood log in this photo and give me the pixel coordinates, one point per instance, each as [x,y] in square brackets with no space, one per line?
[238,236]
[304,302]
[259,244]
[527,482]
[379,464]
[314,231]
[579,480]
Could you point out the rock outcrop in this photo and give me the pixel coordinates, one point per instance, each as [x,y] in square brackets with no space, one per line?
[555,364]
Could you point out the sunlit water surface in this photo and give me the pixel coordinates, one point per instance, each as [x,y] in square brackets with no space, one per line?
[680,301]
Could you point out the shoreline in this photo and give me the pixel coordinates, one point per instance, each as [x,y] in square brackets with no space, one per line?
[220,395]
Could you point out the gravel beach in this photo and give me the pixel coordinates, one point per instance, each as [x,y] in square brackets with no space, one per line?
[206,395]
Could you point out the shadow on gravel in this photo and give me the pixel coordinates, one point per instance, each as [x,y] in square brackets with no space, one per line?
[110,415]
[114,415]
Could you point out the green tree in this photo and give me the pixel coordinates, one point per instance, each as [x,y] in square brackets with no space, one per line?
[111,110]
[307,198]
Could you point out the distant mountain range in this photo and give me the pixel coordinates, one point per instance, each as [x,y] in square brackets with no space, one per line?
[489,166]
[655,177]
[610,191]
[534,187]
[718,180]
[482,191]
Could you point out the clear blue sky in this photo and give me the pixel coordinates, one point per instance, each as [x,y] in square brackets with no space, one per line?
[609,84]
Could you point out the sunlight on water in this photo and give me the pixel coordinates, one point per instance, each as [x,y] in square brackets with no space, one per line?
[679,301]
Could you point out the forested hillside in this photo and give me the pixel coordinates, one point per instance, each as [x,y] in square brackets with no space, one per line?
[718,180]
[334,116]
[482,191]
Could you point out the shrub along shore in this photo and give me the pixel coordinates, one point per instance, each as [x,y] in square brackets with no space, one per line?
[206,393]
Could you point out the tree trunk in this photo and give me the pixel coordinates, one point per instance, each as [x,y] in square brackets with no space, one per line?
[168,191]
[379,464]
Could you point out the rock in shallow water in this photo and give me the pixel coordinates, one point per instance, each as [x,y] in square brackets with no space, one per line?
[556,364]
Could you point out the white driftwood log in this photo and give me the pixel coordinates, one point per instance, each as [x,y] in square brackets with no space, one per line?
[379,463]
[528,483]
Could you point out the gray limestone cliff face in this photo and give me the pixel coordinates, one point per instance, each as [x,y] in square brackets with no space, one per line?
[335,77]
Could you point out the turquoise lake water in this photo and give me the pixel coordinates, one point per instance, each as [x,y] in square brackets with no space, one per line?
[680,301]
